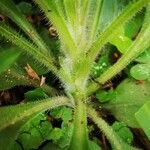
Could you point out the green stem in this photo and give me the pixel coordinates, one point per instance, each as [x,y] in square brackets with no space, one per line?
[80,138]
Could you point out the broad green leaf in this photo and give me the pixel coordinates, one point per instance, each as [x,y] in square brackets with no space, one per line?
[52,146]
[123,131]
[109,12]
[94,146]
[66,115]
[12,117]
[126,15]
[104,96]
[8,58]
[140,71]
[36,94]
[8,135]
[132,27]
[34,132]
[121,41]
[55,134]
[144,57]
[130,96]
[25,8]
[44,127]
[143,118]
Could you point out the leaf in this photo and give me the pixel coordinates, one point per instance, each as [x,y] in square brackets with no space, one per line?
[14,76]
[143,118]
[13,117]
[140,71]
[36,94]
[144,57]
[121,41]
[103,62]
[109,11]
[123,131]
[34,132]
[8,135]
[116,142]
[94,146]
[132,27]
[12,35]
[8,58]
[25,8]
[43,128]
[130,96]
[51,11]
[104,96]
[52,146]
[66,115]
[9,9]
[125,15]
[55,134]
[22,111]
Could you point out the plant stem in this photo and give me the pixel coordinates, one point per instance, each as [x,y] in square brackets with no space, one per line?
[80,138]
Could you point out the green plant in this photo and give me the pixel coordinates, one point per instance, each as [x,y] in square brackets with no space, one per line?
[82,37]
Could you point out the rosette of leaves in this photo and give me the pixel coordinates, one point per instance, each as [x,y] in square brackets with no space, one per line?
[81,37]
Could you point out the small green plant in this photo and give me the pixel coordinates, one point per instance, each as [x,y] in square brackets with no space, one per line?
[82,35]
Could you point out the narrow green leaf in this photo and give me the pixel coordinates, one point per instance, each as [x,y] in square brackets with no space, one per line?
[137,47]
[126,15]
[16,76]
[70,7]
[10,34]
[9,9]
[51,10]
[93,19]
[116,142]
[10,115]
[143,118]
[8,58]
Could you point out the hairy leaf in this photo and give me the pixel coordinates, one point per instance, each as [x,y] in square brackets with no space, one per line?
[8,8]
[14,76]
[12,114]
